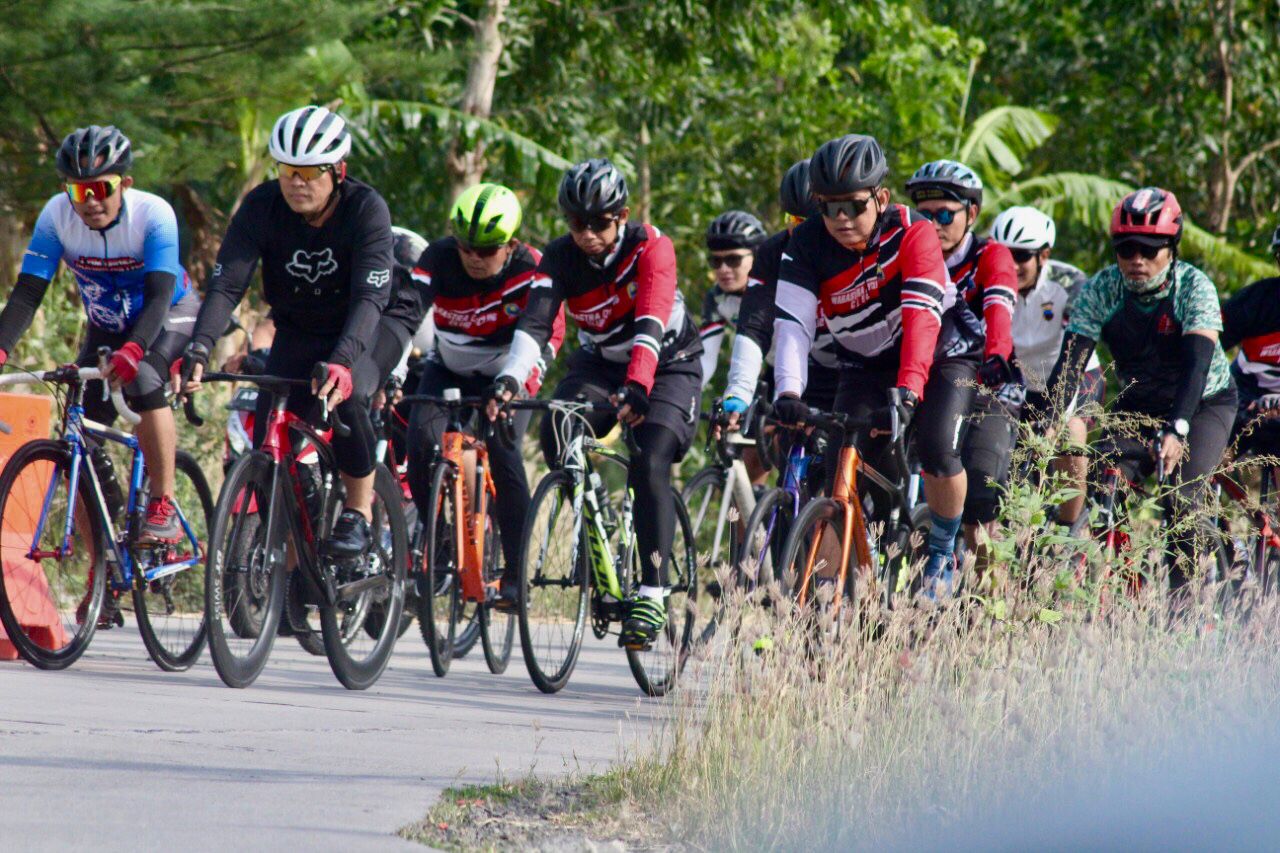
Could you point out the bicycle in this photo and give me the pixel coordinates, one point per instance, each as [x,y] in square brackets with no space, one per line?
[836,526]
[248,552]
[457,548]
[65,558]
[579,558]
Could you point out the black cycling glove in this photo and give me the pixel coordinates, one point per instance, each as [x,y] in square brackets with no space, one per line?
[195,353]
[995,371]
[633,394]
[790,410]
[501,387]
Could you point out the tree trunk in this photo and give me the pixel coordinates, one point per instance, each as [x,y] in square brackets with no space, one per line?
[12,244]
[205,225]
[466,166]
[643,199]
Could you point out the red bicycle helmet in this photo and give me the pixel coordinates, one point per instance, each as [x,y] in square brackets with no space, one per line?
[1149,212]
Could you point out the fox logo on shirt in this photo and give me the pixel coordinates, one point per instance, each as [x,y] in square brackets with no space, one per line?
[312,265]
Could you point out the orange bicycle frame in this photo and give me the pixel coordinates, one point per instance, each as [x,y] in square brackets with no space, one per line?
[853,533]
[469,515]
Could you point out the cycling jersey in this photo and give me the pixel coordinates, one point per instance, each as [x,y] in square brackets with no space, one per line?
[332,281]
[110,265]
[627,306]
[753,345]
[883,304]
[719,310]
[1144,336]
[986,278]
[1251,320]
[475,320]
[1039,316]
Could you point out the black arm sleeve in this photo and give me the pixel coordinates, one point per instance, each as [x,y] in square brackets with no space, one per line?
[20,310]
[1072,359]
[157,295]
[371,263]
[755,314]
[1197,353]
[1253,311]
[237,257]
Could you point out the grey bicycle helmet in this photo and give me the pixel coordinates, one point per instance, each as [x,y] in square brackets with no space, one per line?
[794,193]
[851,162]
[945,179]
[735,229]
[593,188]
[82,149]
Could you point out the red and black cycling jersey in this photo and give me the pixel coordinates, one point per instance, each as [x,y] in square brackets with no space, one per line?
[759,304]
[1251,320]
[883,304]
[475,319]
[986,278]
[627,307]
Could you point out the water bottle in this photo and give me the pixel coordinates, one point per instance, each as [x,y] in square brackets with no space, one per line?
[106,471]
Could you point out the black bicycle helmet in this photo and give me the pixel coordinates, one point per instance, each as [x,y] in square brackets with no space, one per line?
[79,153]
[794,194]
[593,188]
[841,166]
[735,229]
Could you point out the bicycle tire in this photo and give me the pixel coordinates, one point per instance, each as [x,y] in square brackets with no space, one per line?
[895,576]
[354,667]
[246,493]
[373,622]
[468,634]
[819,511]
[762,539]
[438,581]
[657,669]
[176,644]
[33,464]
[497,628]
[703,496]
[550,670]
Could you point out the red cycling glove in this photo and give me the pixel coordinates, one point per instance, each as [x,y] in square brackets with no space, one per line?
[4,356]
[341,378]
[124,362]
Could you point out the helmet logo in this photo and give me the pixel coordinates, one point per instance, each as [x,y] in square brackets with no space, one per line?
[1142,200]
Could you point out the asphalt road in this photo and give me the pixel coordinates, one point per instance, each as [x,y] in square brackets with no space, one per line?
[114,754]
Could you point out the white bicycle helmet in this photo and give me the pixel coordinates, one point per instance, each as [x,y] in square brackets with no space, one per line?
[1024,228]
[310,136]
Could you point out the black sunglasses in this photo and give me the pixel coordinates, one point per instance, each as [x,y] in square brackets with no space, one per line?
[479,251]
[1127,249]
[595,223]
[850,207]
[943,217]
[1021,256]
[730,261]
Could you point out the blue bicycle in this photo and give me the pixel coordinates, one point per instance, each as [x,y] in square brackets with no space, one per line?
[70,546]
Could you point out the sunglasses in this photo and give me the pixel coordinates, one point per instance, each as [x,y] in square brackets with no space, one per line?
[479,251]
[81,191]
[945,216]
[1127,249]
[850,207]
[307,173]
[1022,256]
[595,224]
[730,261]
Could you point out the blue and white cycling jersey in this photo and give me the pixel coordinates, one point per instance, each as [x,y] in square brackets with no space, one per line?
[109,265]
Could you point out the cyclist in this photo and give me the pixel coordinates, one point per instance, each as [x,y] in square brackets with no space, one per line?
[732,240]
[324,240]
[479,282]
[1251,320]
[950,194]
[121,245]
[639,349]
[753,345]
[875,271]
[1160,318]
[1046,289]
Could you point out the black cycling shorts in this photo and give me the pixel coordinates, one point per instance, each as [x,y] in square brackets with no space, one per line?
[989,439]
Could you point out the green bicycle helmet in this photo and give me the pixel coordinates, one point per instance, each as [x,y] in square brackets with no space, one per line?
[486,215]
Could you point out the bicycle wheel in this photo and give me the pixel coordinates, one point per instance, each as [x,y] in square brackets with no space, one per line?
[898,553]
[468,632]
[245,569]
[49,604]
[763,537]
[812,549]
[378,580]
[703,497]
[377,613]
[553,584]
[657,667]
[497,628]
[170,610]
[438,582]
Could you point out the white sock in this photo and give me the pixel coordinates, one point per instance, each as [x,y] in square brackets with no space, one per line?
[654,592]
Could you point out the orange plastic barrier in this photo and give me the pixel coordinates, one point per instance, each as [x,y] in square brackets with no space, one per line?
[29,416]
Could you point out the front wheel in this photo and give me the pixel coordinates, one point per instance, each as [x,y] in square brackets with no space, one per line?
[376,581]
[437,577]
[50,595]
[497,627]
[245,572]
[811,558]
[170,609]
[657,667]
[554,582]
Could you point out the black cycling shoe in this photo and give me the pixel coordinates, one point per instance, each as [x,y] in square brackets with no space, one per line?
[350,539]
[508,600]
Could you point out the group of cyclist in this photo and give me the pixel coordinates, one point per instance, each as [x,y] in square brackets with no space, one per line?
[861,305]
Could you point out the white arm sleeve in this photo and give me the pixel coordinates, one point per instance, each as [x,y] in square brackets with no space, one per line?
[711,355]
[522,357]
[793,332]
[745,365]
